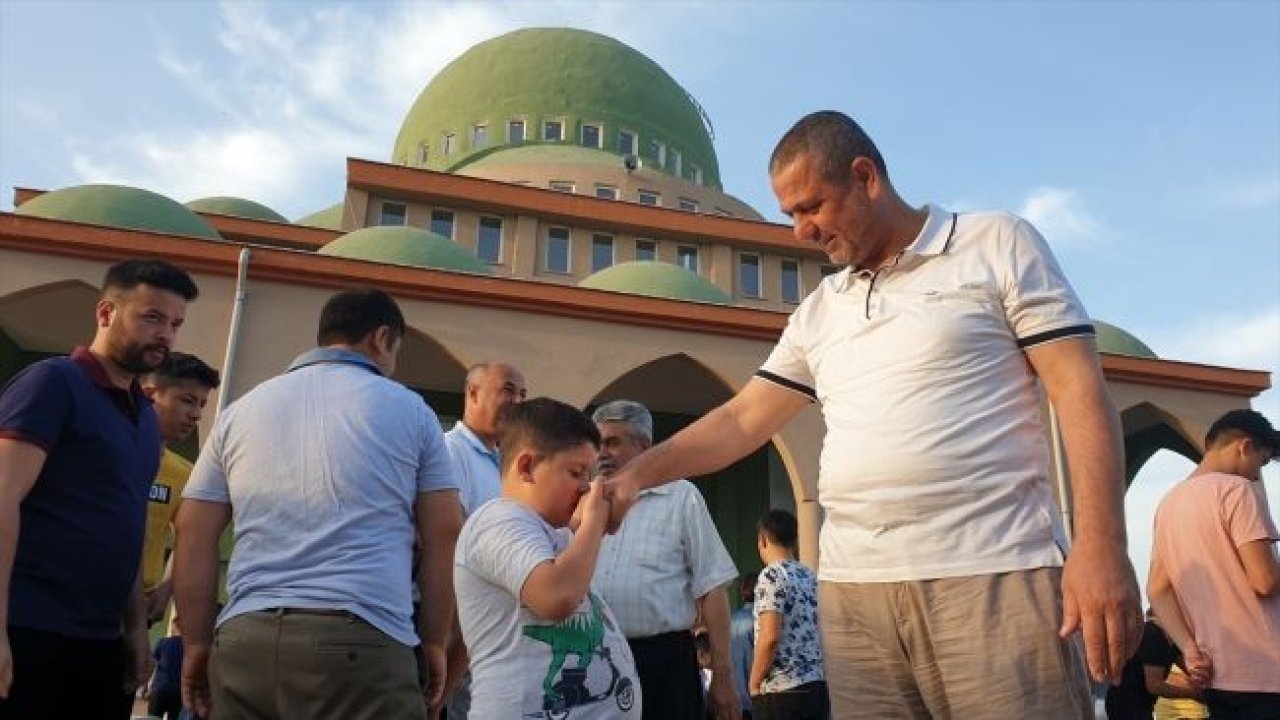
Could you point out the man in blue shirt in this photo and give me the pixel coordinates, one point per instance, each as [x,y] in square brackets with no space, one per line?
[79,446]
[329,473]
[742,640]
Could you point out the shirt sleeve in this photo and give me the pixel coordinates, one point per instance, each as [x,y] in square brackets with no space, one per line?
[771,592]
[709,563]
[461,474]
[436,468]
[506,546]
[1039,303]
[787,366]
[35,406]
[1243,516]
[208,479]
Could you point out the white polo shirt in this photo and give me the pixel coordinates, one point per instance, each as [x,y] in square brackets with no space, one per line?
[935,462]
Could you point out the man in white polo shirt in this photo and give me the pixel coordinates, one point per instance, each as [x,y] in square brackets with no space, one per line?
[943,590]
[492,389]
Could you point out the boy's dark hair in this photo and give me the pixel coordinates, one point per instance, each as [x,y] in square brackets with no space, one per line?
[832,141]
[546,427]
[780,527]
[127,275]
[349,317]
[180,366]
[1245,423]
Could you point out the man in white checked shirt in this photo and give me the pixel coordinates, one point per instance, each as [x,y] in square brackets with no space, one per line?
[664,564]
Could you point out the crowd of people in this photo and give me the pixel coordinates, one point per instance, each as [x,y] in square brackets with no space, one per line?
[536,561]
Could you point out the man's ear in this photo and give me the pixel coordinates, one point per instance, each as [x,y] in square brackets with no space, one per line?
[102,312]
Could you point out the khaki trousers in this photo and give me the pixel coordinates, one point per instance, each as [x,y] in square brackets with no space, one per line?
[286,665]
[965,648]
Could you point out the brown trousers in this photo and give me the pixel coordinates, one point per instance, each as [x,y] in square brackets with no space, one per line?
[280,665]
[965,648]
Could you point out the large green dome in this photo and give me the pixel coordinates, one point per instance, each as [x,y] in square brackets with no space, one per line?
[556,74]
[656,279]
[120,207]
[236,207]
[1112,339]
[402,245]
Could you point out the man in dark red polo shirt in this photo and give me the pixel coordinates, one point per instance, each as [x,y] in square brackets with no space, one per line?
[79,447]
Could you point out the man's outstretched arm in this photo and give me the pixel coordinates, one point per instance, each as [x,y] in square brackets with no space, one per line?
[20,464]
[198,527]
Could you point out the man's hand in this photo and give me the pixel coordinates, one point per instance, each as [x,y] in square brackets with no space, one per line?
[622,493]
[435,661]
[1198,666]
[158,601]
[594,508]
[137,669]
[6,664]
[1100,598]
[722,698]
[195,680]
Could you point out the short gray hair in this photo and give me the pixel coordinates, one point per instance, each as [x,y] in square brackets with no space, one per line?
[635,415]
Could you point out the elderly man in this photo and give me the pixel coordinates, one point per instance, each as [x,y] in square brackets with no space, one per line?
[492,389]
[928,353]
[664,565]
[79,447]
[330,472]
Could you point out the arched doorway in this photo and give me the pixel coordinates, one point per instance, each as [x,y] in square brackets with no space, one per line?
[678,390]
[43,321]
[428,368]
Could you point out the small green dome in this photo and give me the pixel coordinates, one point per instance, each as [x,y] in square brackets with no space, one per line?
[401,245]
[566,75]
[120,207]
[1112,339]
[236,207]
[656,279]
[329,218]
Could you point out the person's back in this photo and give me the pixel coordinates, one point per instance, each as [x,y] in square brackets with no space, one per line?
[1199,525]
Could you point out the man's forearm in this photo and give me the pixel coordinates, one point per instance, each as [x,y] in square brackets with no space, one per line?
[438,518]
[1095,456]
[9,519]
[195,568]
[715,613]
[135,611]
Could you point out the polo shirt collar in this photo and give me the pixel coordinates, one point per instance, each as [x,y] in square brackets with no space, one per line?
[129,400]
[934,237]
[473,440]
[322,355]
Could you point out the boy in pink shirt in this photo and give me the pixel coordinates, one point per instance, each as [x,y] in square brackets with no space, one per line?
[1215,579]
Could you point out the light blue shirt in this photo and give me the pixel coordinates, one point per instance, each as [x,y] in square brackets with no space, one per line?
[322,466]
[742,649]
[479,478]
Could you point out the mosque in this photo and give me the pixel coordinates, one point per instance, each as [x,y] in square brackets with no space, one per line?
[553,199]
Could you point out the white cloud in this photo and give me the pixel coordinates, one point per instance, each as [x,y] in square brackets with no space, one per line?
[1249,340]
[1061,216]
[1253,194]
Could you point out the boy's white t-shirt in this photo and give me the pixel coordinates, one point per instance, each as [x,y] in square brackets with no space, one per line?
[522,666]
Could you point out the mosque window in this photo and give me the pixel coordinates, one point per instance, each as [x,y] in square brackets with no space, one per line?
[591,136]
[649,197]
[646,250]
[658,150]
[677,162]
[555,257]
[749,275]
[601,251]
[687,257]
[422,153]
[450,143]
[515,131]
[790,281]
[626,142]
[479,136]
[607,192]
[489,240]
[390,213]
[696,173]
[553,130]
[723,213]
[564,186]
[442,223]
[689,205]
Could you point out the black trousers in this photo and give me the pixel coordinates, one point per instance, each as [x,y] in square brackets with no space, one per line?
[1232,705]
[804,702]
[670,684]
[55,676]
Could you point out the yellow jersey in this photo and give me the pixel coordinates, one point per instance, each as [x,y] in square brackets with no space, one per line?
[162,506]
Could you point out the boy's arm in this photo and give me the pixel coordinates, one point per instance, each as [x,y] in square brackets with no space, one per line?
[1174,623]
[766,645]
[554,589]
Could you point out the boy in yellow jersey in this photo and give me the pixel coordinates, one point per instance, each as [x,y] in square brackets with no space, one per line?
[179,387]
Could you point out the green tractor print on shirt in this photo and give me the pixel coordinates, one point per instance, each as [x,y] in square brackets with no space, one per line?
[580,635]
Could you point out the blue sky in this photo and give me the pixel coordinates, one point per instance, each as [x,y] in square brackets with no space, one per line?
[1143,139]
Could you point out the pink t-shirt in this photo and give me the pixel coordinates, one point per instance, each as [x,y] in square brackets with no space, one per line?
[1199,525]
